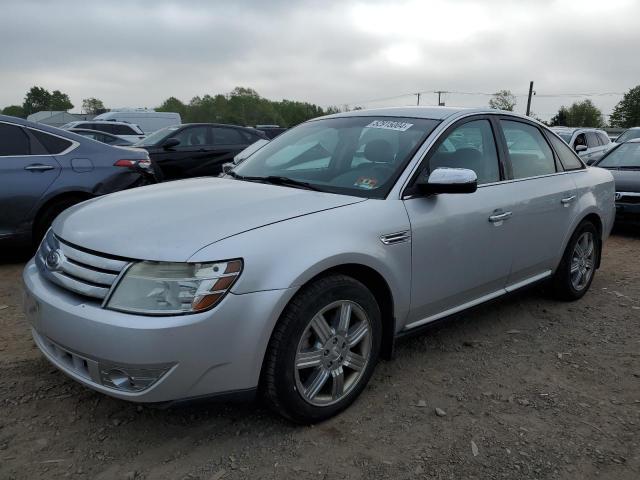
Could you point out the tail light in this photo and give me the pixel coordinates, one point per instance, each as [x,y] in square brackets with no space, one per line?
[144,163]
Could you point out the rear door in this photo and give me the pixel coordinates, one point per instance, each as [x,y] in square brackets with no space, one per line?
[595,150]
[545,201]
[26,171]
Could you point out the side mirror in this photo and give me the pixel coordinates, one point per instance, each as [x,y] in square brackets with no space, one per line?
[580,148]
[227,167]
[170,143]
[448,180]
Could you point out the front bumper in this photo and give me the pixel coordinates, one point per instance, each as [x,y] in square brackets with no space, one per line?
[627,212]
[197,355]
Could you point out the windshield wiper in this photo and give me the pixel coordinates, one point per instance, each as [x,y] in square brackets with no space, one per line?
[277,180]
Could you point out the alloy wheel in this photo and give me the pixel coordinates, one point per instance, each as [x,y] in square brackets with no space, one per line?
[583,261]
[333,353]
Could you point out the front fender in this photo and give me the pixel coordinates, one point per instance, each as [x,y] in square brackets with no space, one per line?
[288,254]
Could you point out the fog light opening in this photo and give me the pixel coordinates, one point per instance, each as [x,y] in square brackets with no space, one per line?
[121,379]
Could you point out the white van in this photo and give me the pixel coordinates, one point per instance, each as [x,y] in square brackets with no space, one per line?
[148,120]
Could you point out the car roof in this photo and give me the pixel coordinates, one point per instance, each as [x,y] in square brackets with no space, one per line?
[91,131]
[432,113]
[576,129]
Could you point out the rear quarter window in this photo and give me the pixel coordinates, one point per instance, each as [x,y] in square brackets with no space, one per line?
[568,158]
[54,145]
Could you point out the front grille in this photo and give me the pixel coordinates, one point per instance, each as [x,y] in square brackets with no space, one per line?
[626,197]
[82,272]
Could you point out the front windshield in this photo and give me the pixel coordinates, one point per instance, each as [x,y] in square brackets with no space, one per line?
[156,136]
[359,156]
[628,135]
[624,156]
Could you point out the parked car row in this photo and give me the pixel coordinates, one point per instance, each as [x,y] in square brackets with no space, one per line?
[294,273]
[589,143]
[44,170]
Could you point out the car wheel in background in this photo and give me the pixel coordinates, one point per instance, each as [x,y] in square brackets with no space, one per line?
[49,213]
[578,265]
[323,350]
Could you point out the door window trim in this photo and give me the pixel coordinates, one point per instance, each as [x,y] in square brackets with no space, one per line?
[556,160]
[73,146]
[408,190]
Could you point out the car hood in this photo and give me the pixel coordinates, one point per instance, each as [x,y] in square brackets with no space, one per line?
[173,220]
[626,180]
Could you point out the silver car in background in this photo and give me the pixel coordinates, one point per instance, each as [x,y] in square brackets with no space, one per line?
[589,143]
[296,272]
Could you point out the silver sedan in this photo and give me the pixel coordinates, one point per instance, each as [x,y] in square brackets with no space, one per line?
[292,275]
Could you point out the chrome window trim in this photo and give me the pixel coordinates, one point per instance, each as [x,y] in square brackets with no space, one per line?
[419,156]
[72,147]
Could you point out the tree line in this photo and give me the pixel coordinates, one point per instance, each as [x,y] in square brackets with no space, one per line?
[626,114]
[244,106]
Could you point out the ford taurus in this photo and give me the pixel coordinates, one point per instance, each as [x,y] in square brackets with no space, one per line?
[293,274]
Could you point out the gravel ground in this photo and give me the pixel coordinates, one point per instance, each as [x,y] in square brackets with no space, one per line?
[526,387]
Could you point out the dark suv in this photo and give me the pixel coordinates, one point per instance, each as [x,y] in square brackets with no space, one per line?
[44,170]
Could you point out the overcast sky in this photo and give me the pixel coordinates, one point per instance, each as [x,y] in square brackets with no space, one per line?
[137,53]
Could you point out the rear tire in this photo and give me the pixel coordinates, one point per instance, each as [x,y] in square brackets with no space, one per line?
[323,350]
[578,265]
[48,215]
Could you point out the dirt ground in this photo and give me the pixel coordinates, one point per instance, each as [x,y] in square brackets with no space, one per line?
[530,388]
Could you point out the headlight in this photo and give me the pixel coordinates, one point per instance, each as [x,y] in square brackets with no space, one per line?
[159,288]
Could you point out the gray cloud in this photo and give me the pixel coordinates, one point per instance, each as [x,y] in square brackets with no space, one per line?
[328,52]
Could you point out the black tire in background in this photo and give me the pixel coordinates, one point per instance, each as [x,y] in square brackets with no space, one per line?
[280,380]
[49,214]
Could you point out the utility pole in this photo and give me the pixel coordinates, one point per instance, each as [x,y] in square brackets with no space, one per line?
[418,95]
[440,92]
[529,99]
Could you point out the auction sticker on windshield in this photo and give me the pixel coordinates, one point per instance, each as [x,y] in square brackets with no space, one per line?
[390,125]
[366,183]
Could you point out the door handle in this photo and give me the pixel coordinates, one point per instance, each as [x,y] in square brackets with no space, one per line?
[566,201]
[39,167]
[499,217]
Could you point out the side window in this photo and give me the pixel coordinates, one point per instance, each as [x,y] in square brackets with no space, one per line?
[13,141]
[227,136]
[471,146]
[604,139]
[580,140]
[123,130]
[567,157]
[529,152]
[53,145]
[101,127]
[592,140]
[193,136]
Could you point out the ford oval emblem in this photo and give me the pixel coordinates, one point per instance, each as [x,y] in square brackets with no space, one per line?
[53,260]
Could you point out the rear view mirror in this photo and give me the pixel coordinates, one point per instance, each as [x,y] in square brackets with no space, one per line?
[170,143]
[448,180]
[580,148]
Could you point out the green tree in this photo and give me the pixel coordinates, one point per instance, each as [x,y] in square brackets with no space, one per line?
[242,106]
[60,101]
[503,100]
[560,118]
[579,114]
[14,111]
[36,100]
[626,114]
[93,106]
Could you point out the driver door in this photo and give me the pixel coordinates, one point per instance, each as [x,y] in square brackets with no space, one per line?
[461,243]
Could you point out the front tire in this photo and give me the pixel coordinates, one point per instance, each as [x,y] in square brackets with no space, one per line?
[323,350]
[578,265]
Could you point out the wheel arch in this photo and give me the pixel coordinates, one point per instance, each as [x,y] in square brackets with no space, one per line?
[67,195]
[593,217]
